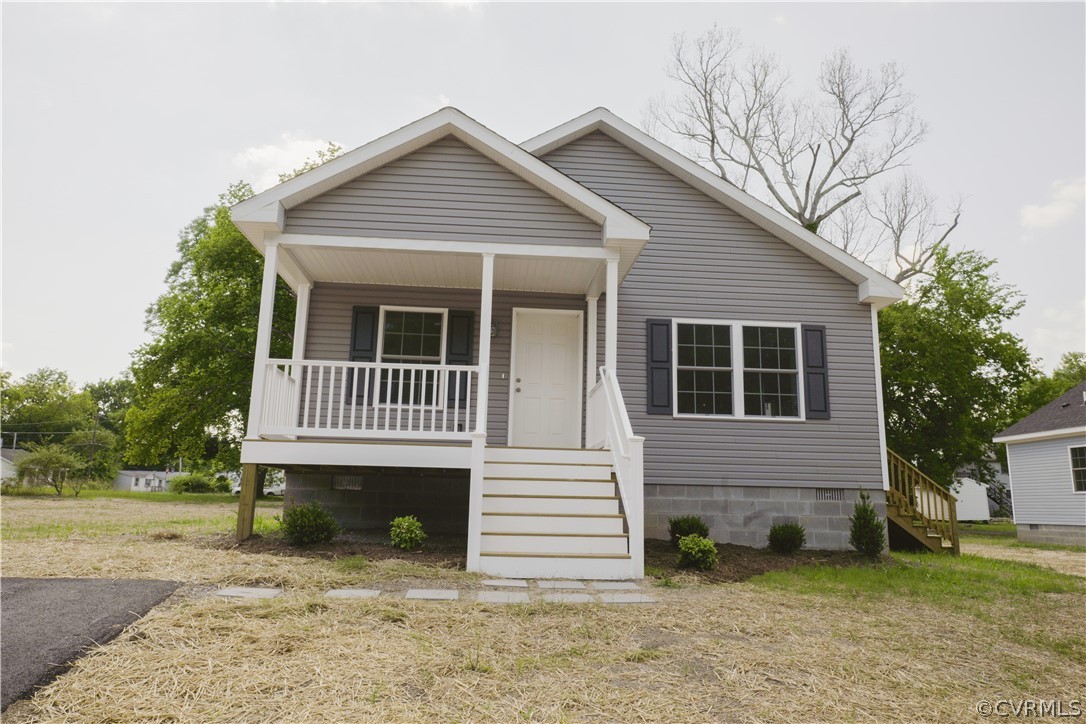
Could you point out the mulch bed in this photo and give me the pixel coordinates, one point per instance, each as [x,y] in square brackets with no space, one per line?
[737,563]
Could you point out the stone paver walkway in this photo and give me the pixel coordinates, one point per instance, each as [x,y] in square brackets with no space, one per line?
[523,591]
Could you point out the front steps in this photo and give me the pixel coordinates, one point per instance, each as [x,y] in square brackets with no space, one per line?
[917,530]
[550,513]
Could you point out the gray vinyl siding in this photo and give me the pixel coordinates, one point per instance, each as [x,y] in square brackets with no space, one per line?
[329,328]
[704,261]
[1042,488]
[444,191]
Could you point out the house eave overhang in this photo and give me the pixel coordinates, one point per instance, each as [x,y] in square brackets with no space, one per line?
[873,287]
[266,211]
[1043,435]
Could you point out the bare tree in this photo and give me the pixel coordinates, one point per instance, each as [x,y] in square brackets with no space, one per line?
[812,155]
[908,224]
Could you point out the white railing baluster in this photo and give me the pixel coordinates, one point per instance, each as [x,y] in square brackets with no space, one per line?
[388,393]
[331,396]
[354,395]
[342,395]
[320,393]
[411,402]
[308,389]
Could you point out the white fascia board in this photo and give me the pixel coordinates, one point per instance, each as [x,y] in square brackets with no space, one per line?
[441,246]
[267,208]
[879,290]
[1042,435]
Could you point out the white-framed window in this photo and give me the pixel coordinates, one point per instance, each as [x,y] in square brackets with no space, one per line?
[1078,467]
[414,336]
[737,369]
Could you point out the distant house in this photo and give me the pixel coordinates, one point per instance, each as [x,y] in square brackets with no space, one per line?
[8,459]
[1046,454]
[145,481]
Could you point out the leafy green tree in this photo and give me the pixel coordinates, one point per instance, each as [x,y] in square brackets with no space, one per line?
[100,451]
[113,397]
[51,464]
[44,407]
[192,381]
[951,372]
[1045,388]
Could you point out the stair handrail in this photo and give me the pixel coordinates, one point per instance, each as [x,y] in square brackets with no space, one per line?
[918,496]
[627,453]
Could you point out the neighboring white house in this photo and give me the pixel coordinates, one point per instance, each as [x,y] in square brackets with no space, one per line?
[972,499]
[145,481]
[1046,454]
[8,458]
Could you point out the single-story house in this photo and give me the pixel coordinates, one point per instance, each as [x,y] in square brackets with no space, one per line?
[1046,457]
[556,346]
[146,481]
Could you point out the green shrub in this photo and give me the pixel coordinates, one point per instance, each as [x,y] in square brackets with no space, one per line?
[685,525]
[406,532]
[192,483]
[307,523]
[787,538]
[868,534]
[221,484]
[697,551]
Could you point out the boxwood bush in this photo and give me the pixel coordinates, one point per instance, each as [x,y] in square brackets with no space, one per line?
[787,538]
[684,525]
[307,524]
[406,532]
[697,551]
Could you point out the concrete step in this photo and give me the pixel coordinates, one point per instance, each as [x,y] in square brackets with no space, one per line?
[542,544]
[592,488]
[584,567]
[547,471]
[547,455]
[549,504]
[536,523]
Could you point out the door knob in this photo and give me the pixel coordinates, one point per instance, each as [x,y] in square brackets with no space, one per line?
[518,389]
[518,380]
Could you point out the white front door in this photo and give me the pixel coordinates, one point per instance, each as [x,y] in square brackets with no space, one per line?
[545,389]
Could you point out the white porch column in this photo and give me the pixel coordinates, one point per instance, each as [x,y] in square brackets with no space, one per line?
[263,337]
[611,320]
[301,321]
[486,309]
[478,437]
[593,340]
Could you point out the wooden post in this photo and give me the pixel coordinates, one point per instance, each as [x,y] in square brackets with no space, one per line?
[247,501]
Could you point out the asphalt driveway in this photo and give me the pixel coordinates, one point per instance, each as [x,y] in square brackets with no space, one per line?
[49,622]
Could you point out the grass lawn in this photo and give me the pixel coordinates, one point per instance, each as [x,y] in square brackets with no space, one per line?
[914,638]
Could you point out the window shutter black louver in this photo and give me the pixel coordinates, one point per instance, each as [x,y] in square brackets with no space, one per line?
[815,374]
[658,351]
[364,334]
[459,350]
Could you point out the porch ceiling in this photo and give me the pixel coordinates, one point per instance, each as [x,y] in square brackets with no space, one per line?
[436,269]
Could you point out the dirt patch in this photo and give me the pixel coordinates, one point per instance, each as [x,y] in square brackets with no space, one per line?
[738,563]
[439,551]
[1070,562]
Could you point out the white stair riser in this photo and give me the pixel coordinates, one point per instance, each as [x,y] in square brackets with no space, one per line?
[550,524]
[553,544]
[550,472]
[547,455]
[587,506]
[573,568]
[549,487]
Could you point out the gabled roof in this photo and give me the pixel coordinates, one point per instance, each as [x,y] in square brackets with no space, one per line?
[266,211]
[1063,416]
[874,287]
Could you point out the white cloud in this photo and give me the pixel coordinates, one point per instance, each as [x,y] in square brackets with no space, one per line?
[780,19]
[263,164]
[1067,197]
[1061,330]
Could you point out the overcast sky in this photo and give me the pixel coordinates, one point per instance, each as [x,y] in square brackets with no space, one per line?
[121,122]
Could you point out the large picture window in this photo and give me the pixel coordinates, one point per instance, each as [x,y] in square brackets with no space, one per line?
[1078,468]
[737,369]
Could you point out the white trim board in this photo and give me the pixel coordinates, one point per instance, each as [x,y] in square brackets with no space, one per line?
[1042,435]
[874,288]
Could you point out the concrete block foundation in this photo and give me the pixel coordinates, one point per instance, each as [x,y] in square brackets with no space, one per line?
[1065,535]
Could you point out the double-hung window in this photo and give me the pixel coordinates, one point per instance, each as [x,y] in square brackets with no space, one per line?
[737,369]
[1078,468]
[411,336]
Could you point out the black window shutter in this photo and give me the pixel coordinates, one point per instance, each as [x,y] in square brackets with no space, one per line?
[459,348]
[815,376]
[364,334]
[658,349]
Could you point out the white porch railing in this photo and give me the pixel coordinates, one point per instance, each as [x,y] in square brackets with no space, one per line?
[368,399]
[608,425]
